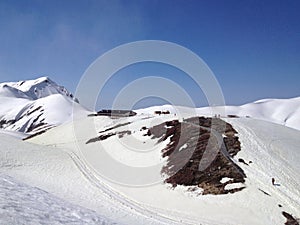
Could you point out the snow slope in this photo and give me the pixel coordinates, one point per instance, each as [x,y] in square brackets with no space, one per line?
[281,111]
[35,105]
[57,172]
[23,204]
[273,154]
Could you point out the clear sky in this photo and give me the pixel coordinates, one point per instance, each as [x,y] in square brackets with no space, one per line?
[253,47]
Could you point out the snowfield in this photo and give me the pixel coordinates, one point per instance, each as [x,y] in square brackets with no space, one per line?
[23,204]
[54,178]
[250,206]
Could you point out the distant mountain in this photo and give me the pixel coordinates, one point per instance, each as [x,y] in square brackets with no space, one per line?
[281,111]
[35,105]
[34,89]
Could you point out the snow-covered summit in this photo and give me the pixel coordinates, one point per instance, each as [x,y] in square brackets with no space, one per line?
[35,105]
[35,89]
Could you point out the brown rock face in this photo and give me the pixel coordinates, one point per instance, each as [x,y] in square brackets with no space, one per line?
[197,140]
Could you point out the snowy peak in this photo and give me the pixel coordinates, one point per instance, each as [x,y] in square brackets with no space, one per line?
[36,105]
[36,89]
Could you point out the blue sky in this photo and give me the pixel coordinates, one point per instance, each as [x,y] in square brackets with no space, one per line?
[253,47]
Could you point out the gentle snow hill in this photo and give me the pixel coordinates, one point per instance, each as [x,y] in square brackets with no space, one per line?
[35,105]
[45,185]
[281,111]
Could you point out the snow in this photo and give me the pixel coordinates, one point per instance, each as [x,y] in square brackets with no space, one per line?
[23,204]
[183,147]
[46,179]
[250,206]
[59,173]
[225,179]
[233,186]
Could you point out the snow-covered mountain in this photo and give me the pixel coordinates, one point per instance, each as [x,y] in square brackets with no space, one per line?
[51,168]
[281,111]
[35,105]
[34,89]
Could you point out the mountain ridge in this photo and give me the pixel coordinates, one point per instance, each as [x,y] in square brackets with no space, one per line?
[36,105]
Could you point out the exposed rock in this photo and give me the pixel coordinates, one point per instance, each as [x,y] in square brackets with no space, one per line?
[200,136]
[290,220]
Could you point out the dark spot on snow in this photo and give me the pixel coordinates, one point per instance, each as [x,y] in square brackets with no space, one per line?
[114,127]
[143,128]
[100,138]
[4,123]
[243,161]
[36,109]
[232,116]
[34,135]
[123,133]
[266,193]
[290,220]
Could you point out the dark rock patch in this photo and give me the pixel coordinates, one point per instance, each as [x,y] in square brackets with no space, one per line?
[196,133]
[35,134]
[4,123]
[290,220]
[35,125]
[102,137]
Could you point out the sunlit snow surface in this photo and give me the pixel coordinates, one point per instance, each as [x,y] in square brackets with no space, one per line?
[23,204]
